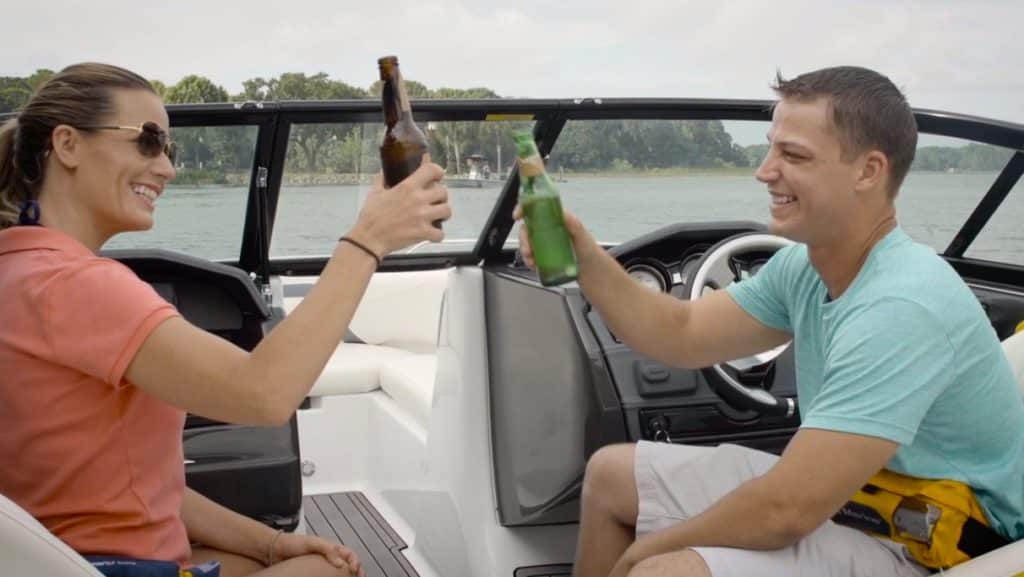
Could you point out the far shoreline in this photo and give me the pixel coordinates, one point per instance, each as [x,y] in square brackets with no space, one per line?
[239,179]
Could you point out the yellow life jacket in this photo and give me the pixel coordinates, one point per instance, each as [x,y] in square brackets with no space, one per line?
[939,521]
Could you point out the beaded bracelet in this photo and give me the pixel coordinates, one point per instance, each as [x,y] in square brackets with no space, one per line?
[362,247]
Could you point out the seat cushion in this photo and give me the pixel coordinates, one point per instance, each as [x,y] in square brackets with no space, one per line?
[27,548]
[401,307]
[1013,346]
[1007,560]
[410,382]
[356,368]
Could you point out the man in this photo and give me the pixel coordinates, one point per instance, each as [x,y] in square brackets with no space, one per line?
[898,367]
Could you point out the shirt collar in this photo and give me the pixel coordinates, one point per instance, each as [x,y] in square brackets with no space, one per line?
[19,238]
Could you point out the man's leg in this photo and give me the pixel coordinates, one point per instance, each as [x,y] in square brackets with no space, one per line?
[609,509]
[677,482]
[685,563]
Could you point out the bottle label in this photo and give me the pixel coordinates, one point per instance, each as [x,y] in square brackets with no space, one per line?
[531,166]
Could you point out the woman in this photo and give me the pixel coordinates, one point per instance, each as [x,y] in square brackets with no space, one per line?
[99,370]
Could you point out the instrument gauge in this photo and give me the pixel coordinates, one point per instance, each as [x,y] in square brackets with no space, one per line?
[649,276]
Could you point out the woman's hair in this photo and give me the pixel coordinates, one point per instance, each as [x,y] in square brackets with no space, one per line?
[79,95]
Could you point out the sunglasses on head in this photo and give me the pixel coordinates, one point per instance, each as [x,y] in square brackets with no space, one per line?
[152,139]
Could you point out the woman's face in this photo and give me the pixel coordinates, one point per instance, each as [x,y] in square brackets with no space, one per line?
[115,183]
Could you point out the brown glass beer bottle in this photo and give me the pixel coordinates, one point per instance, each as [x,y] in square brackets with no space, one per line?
[404,144]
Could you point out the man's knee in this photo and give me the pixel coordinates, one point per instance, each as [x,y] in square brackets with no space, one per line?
[610,479]
[685,563]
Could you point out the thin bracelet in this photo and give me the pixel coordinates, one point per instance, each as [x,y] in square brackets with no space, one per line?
[362,247]
[270,548]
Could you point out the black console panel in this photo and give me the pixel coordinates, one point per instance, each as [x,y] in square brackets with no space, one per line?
[562,385]
[679,405]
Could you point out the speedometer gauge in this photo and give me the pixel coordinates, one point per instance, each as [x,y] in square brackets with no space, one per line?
[648,276]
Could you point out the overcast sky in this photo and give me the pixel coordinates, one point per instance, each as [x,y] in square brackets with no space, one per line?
[951,55]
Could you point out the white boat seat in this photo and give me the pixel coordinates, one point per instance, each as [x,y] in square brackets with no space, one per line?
[355,368]
[410,383]
[397,321]
[1009,560]
[27,548]
[1014,349]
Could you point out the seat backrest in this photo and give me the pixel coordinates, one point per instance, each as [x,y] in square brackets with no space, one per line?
[27,548]
[1014,349]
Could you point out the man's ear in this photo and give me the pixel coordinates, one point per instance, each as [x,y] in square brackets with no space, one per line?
[66,146]
[874,172]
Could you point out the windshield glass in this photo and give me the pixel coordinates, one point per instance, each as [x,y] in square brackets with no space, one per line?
[1000,239]
[330,167]
[948,178]
[624,178]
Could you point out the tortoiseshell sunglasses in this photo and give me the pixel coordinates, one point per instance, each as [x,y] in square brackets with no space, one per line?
[152,139]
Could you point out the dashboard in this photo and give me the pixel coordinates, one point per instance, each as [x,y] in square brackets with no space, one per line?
[660,401]
[668,258]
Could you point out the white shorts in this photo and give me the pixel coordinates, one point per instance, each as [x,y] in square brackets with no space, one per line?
[676,482]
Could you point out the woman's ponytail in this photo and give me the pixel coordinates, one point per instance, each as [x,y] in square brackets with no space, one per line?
[14,189]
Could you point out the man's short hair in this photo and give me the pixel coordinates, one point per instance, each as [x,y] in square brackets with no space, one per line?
[867,110]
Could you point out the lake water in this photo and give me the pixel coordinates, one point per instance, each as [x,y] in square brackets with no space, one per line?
[207,221]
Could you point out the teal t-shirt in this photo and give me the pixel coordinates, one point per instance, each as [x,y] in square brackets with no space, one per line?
[905,354]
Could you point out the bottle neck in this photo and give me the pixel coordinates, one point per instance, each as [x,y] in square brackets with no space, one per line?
[395,100]
[535,180]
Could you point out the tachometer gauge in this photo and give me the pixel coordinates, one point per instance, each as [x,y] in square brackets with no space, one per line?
[649,276]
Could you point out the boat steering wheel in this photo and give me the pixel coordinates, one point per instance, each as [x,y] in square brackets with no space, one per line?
[741,383]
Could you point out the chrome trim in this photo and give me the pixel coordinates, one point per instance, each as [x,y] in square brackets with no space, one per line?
[995,289]
[658,274]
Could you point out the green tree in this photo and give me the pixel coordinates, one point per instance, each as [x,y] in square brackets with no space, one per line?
[453,141]
[412,88]
[755,153]
[195,89]
[14,93]
[463,93]
[194,143]
[297,86]
[38,78]
[313,142]
[973,157]
[976,156]
[160,87]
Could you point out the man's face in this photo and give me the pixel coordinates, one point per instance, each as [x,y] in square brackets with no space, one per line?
[811,187]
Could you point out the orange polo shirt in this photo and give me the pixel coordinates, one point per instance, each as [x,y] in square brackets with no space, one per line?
[96,460]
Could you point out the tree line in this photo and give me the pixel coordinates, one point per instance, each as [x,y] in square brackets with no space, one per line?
[211,154]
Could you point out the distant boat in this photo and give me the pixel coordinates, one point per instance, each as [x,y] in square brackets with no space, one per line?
[471,181]
[481,176]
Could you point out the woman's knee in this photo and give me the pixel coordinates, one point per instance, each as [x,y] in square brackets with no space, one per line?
[312,565]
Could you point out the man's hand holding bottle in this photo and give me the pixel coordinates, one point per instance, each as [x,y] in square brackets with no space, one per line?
[583,243]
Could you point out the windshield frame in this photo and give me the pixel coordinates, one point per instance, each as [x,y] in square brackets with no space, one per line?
[275,119]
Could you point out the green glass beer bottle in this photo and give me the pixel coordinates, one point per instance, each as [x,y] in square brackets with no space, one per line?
[542,212]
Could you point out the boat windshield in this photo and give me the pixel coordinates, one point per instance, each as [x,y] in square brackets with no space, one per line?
[282,181]
[329,169]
